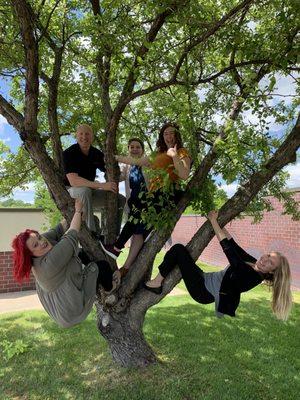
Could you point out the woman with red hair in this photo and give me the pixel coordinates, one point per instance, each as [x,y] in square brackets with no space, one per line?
[66,287]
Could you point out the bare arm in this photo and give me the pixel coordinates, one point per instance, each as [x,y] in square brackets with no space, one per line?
[77,181]
[77,217]
[64,224]
[182,165]
[212,217]
[228,235]
[141,162]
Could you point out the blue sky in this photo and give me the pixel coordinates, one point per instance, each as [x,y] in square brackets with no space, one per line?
[285,86]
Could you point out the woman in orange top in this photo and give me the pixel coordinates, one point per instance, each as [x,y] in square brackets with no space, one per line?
[171,157]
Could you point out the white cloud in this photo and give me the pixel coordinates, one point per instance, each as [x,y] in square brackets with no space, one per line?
[26,195]
[230,189]
[2,122]
[294,171]
[285,85]
[292,182]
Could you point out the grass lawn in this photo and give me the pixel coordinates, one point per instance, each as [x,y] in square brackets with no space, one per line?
[252,356]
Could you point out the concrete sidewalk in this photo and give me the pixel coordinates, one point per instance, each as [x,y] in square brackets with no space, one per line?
[19,301]
[28,300]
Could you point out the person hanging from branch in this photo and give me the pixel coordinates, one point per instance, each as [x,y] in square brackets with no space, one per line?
[66,280]
[173,160]
[224,287]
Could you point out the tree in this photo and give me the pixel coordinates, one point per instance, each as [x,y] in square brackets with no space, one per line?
[129,66]
[12,203]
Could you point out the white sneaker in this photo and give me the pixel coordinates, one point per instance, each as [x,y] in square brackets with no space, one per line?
[105,320]
[150,234]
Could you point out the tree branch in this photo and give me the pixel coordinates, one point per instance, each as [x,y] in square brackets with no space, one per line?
[219,24]
[26,22]
[284,155]
[103,68]
[53,84]
[139,58]
[13,116]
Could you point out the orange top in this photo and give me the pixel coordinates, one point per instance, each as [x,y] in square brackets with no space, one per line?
[163,161]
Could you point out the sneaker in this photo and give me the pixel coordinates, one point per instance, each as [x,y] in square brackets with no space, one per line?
[148,236]
[105,319]
[110,250]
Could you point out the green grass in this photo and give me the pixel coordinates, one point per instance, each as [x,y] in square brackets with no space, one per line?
[252,356]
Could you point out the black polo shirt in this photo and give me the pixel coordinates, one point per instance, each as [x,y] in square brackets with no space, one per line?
[85,166]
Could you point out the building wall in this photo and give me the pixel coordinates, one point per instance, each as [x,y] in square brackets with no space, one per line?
[13,221]
[7,282]
[274,232]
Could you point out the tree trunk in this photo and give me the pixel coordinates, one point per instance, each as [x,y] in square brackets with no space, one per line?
[125,338]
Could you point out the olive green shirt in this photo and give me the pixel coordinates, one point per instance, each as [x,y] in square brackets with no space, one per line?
[65,287]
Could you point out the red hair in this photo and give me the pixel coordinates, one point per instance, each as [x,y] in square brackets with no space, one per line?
[22,256]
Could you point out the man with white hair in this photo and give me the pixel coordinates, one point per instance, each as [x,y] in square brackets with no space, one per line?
[81,160]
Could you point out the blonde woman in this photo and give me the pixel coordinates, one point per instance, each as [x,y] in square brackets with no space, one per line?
[225,287]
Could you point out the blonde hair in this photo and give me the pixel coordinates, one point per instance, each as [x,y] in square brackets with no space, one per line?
[281,289]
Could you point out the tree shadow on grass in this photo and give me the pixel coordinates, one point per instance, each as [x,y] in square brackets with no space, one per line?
[250,356]
[253,347]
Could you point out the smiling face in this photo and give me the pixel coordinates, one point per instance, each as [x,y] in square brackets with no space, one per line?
[170,136]
[267,263]
[38,245]
[84,137]
[135,149]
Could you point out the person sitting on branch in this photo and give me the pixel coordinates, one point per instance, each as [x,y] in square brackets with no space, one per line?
[172,158]
[81,161]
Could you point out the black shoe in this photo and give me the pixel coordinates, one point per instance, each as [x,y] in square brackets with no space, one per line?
[156,290]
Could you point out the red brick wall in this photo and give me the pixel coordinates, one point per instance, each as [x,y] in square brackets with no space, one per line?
[7,282]
[275,232]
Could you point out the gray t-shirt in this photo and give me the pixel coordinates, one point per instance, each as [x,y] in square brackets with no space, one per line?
[213,282]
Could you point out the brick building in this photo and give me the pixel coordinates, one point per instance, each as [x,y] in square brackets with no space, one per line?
[274,232]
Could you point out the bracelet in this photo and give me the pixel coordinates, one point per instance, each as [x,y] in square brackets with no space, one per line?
[80,212]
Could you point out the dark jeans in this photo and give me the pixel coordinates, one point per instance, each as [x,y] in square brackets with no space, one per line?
[105,273]
[191,273]
[136,207]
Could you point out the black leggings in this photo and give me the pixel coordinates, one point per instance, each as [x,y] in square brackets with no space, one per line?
[191,273]
[105,273]
[137,207]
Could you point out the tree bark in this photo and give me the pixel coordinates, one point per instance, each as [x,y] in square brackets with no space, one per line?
[125,338]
